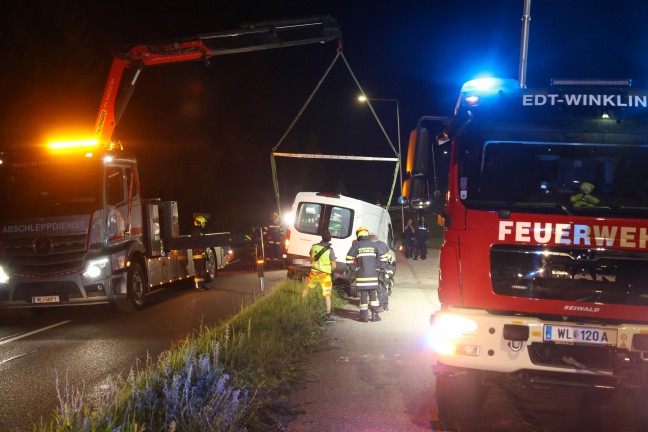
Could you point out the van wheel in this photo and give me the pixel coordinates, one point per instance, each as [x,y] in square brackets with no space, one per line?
[459,396]
[352,290]
[136,290]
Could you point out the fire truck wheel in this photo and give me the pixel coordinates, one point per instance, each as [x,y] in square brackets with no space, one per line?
[136,286]
[459,396]
[640,413]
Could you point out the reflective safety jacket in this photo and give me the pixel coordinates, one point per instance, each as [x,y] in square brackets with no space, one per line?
[364,259]
[323,264]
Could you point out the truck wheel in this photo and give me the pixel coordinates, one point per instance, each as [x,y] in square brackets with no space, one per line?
[640,413]
[459,396]
[211,266]
[136,286]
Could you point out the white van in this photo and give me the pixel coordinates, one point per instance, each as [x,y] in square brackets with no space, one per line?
[315,212]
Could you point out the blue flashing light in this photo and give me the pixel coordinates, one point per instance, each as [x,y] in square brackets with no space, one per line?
[492,84]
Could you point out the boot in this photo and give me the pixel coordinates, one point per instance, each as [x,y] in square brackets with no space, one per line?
[364,315]
[374,316]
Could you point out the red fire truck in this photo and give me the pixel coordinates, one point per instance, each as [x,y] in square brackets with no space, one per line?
[74,228]
[544,262]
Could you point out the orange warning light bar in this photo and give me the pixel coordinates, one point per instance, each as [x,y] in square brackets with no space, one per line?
[73,146]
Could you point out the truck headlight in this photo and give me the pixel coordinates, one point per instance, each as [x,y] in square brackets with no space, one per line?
[447,333]
[4,276]
[96,268]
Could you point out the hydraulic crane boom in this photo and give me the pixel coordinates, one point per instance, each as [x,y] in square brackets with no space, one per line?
[249,37]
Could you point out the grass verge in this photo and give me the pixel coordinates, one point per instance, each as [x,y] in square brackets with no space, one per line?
[234,377]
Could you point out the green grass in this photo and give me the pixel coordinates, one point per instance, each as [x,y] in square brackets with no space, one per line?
[233,377]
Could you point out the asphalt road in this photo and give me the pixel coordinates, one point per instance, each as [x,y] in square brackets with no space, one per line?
[88,344]
[377,377]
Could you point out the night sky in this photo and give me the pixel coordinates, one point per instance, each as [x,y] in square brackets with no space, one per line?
[204,134]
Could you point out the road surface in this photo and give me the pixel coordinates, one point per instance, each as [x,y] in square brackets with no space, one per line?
[377,377]
[88,344]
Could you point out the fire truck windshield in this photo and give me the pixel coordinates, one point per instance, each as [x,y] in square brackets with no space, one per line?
[53,187]
[562,177]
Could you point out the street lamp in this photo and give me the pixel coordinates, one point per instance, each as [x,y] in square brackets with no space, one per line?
[363,98]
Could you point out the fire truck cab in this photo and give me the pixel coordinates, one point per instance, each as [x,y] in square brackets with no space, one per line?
[544,263]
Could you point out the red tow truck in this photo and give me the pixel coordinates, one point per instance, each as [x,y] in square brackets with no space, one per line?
[74,227]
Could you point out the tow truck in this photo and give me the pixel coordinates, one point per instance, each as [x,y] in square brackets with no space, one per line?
[543,273]
[74,228]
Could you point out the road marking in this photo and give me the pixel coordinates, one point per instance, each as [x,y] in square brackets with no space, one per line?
[13,358]
[9,339]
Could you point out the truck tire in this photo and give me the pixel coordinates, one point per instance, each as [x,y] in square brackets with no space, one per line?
[640,413]
[459,396]
[136,290]
[211,265]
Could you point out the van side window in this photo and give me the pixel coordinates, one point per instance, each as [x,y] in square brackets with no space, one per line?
[340,222]
[308,217]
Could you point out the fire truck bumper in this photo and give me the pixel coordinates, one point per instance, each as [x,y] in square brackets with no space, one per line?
[565,351]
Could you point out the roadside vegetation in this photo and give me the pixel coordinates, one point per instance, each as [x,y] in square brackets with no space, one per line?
[235,377]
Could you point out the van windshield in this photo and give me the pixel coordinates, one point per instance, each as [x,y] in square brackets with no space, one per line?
[314,218]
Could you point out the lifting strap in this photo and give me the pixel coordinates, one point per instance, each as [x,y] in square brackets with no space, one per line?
[274,152]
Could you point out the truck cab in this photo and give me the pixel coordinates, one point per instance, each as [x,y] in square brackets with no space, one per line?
[543,265]
[75,230]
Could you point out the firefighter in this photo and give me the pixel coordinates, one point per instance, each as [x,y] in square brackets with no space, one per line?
[273,235]
[420,246]
[408,235]
[385,270]
[363,259]
[322,259]
[199,254]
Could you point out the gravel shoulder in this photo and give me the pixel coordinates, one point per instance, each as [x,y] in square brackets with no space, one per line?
[376,376]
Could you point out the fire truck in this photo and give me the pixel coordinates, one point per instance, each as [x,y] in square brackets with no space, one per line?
[543,273]
[74,227]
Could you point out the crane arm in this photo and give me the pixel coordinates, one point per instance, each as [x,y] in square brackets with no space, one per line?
[249,37]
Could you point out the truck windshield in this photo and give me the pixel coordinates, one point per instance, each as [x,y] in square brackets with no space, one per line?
[49,188]
[558,177]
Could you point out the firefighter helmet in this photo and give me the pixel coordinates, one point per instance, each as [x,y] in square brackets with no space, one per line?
[199,220]
[362,231]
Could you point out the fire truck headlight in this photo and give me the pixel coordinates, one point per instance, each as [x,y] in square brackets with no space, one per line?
[4,276]
[96,268]
[447,334]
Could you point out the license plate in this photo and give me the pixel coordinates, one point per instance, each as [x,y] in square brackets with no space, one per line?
[299,261]
[580,335]
[46,299]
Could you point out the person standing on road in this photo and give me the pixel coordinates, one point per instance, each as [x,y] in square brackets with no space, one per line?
[363,259]
[408,236]
[198,255]
[420,248]
[322,259]
[385,272]
[273,235]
